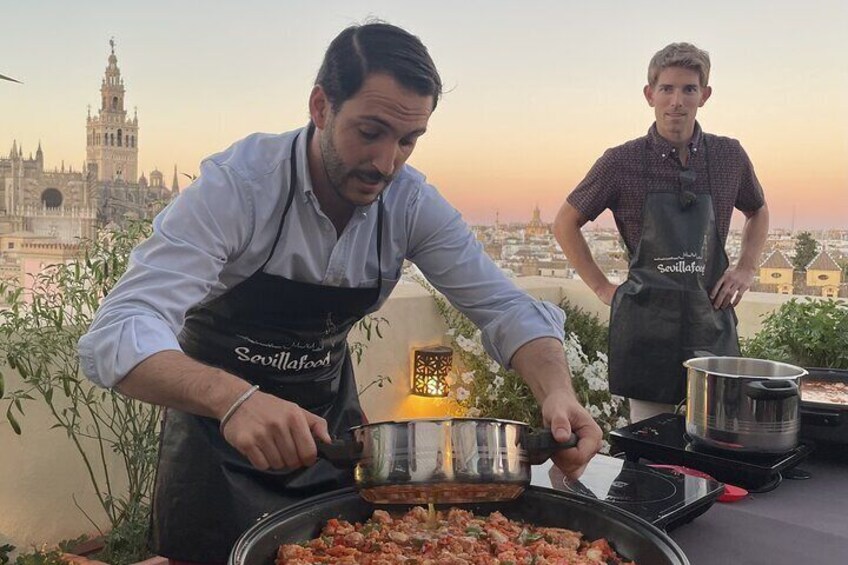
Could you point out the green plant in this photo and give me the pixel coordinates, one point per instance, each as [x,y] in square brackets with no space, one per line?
[127,541]
[810,333]
[843,264]
[591,331]
[38,339]
[371,327]
[41,556]
[805,250]
[5,550]
[481,387]
[71,545]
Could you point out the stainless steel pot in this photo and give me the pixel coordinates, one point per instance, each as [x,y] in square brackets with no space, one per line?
[446,460]
[743,405]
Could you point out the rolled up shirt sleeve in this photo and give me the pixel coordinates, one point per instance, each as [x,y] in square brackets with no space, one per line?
[173,270]
[454,262]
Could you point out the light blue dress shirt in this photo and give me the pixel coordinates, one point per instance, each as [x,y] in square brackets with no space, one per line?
[220,229]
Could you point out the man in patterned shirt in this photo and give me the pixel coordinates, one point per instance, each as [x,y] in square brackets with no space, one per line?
[672,193]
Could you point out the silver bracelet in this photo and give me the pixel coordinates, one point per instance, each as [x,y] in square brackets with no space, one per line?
[235,406]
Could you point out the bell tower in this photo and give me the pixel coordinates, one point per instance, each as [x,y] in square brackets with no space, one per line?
[112,138]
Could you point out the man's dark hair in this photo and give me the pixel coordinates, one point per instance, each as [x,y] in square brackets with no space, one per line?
[376,48]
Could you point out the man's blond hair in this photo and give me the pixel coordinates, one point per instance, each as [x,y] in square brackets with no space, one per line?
[684,55]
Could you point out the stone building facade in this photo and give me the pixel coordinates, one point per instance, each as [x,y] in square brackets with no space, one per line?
[67,204]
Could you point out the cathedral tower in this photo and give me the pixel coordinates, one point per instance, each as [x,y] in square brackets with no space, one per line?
[112,138]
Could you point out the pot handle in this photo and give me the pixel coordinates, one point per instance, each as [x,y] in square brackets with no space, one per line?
[540,444]
[821,418]
[343,454]
[771,390]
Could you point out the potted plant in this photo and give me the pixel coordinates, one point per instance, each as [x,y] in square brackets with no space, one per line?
[809,332]
[39,330]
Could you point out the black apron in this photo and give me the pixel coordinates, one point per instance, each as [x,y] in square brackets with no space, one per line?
[289,338]
[662,314]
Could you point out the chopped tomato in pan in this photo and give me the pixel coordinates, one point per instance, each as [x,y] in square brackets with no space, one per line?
[455,537]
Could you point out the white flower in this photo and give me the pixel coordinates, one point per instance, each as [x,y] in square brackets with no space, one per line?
[474,345]
[605,446]
[493,366]
[574,353]
[462,394]
[498,381]
[596,383]
[450,379]
[594,411]
[465,344]
[467,377]
[607,408]
[621,422]
[473,413]
[451,332]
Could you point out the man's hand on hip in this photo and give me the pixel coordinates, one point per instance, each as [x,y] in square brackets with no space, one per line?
[731,286]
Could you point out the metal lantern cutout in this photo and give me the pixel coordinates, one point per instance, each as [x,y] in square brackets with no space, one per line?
[430,368]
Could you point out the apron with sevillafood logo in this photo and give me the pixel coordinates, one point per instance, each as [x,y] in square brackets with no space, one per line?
[662,314]
[289,338]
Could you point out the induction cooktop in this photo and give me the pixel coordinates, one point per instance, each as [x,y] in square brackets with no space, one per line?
[663,439]
[663,497]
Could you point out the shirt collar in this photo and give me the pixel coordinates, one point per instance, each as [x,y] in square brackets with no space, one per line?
[304,178]
[666,149]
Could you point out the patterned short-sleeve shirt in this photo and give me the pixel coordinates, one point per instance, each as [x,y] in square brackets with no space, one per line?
[623,175]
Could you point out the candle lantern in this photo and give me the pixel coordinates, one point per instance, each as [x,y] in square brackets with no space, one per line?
[430,368]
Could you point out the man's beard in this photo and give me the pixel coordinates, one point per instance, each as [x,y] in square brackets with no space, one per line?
[336,171]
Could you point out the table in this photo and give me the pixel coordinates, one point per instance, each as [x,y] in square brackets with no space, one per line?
[800,522]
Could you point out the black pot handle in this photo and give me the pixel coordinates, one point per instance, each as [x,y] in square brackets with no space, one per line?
[540,444]
[344,454]
[771,390]
[822,418]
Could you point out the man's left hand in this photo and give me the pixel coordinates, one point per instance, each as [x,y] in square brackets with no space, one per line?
[564,415]
[731,286]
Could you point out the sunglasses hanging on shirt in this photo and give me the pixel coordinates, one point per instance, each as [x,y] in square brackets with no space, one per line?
[687,197]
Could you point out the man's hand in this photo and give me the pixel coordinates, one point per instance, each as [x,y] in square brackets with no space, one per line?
[270,432]
[736,281]
[606,292]
[542,364]
[564,415]
[731,286]
[275,433]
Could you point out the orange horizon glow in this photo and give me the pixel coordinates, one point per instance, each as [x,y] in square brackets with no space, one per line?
[533,94]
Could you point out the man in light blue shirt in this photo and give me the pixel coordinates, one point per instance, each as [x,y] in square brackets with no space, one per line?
[234,314]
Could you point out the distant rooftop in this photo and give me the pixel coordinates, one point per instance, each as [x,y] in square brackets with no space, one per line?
[776,260]
[823,262]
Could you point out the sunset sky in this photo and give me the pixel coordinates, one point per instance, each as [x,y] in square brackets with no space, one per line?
[536,91]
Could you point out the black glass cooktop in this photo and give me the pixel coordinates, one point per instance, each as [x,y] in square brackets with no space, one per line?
[662,439]
[663,497]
